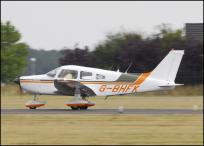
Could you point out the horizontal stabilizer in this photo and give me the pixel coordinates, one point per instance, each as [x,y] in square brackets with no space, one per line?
[170,85]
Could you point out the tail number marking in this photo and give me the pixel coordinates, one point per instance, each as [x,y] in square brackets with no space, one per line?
[118,88]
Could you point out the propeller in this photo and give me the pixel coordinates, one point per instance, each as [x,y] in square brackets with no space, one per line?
[17,81]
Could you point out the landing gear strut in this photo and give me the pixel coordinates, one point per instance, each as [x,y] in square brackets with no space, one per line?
[33,104]
[79,103]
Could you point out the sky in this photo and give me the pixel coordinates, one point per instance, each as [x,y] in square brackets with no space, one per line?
[57,24]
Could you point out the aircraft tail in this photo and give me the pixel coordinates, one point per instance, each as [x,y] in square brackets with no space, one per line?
[168,67]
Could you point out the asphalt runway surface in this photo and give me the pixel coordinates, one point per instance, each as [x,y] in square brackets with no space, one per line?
[101,111]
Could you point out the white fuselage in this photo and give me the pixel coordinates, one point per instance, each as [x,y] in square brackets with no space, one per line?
[103,82]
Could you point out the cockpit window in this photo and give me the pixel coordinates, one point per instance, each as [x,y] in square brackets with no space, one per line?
[68,74]
[52,73]
[85,75]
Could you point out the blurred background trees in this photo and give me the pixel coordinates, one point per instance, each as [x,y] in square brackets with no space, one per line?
[13,53]
[117,51]
[77,57]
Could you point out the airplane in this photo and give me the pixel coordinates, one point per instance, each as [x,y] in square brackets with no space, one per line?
[83,82]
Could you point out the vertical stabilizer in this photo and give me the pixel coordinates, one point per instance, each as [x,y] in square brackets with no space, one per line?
[168,67]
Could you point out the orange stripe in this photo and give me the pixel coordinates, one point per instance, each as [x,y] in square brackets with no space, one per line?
[139,80]
[106,82]
[142,78]
[32,81]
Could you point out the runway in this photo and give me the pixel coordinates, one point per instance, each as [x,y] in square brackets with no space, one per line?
[101,111]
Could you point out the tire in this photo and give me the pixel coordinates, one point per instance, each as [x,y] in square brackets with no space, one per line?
[74,107]
[84,107]
[32,107]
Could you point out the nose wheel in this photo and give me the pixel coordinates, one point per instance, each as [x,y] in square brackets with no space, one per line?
[33,104]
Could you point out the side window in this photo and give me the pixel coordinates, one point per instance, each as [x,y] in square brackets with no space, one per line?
[85,75]
[98,76]
[68,74]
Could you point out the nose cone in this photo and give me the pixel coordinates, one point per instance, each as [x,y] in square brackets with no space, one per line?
[17,81]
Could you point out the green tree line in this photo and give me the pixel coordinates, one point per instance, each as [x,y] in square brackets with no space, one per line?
[13,53]
[119,50]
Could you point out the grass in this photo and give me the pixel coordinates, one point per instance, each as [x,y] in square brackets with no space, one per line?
[186,90]
[196,90]
[11,98]
[112,102]
[104,129]
[98,129]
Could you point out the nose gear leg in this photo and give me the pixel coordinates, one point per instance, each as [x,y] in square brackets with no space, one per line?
[33,104]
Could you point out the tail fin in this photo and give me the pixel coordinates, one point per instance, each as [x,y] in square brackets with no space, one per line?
[168,67]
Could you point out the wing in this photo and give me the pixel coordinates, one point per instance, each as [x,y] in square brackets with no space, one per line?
[67,87]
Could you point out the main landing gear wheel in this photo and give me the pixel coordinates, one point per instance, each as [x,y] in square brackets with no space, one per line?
[74,107]
[79,103]
[78,107]
[84,108]
[32,107]
[33,104]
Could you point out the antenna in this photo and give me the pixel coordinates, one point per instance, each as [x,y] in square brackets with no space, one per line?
[128,67]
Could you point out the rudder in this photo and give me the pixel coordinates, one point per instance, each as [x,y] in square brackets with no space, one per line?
[168,67]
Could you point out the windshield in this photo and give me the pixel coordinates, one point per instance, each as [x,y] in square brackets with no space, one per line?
[68,74]
[53,72]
